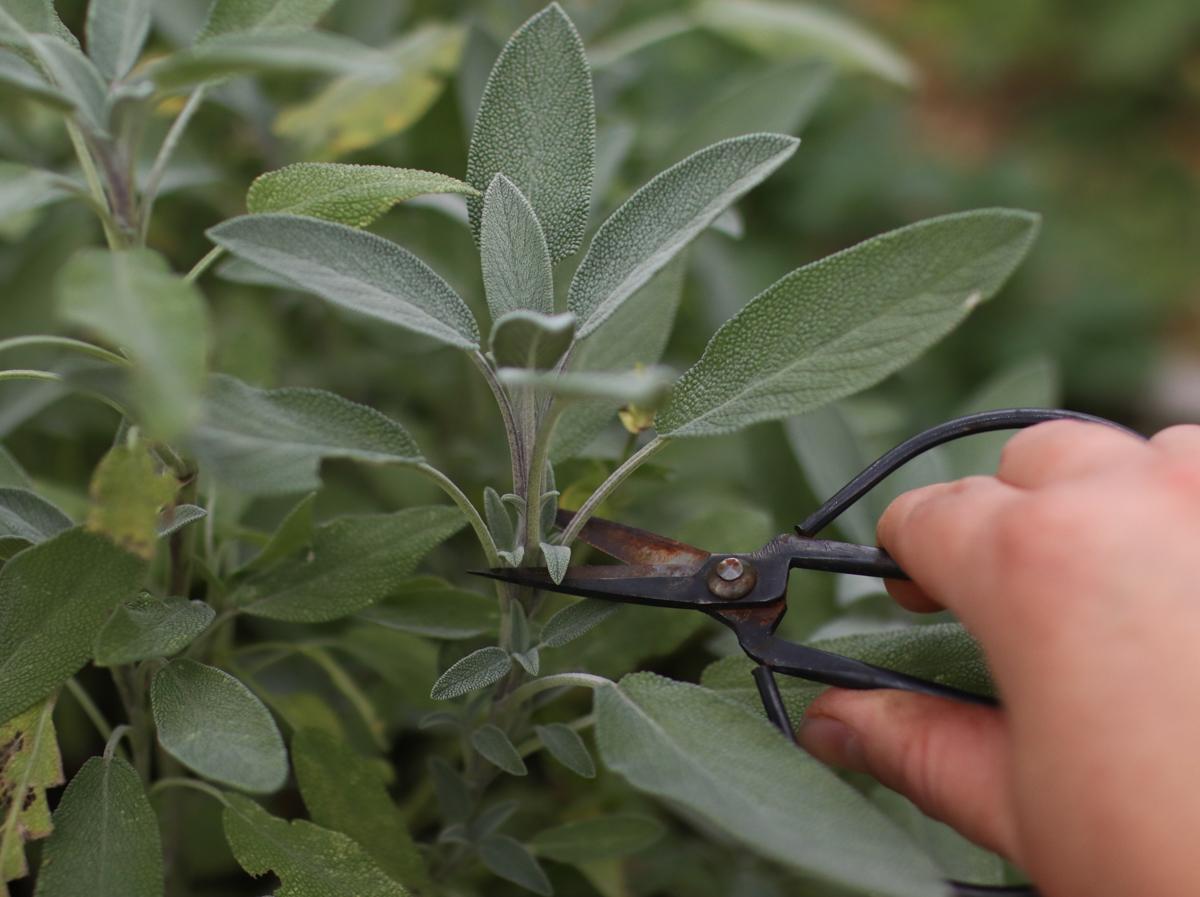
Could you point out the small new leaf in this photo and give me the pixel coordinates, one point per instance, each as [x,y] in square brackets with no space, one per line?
[530,339]
[564,745]
[576,619]
[511,860]
[478,669]
[516,263]
[150,627]
[494,746]
[558,558]
[499,522]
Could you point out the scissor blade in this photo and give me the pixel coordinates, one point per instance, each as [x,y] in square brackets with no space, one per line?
[632,545]
[658,585]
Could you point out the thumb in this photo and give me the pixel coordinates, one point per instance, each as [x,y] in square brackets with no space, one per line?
[950,759]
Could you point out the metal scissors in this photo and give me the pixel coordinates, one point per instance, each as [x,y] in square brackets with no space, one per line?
[748,592]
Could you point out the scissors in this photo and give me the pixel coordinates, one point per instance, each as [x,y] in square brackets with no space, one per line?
[748,592]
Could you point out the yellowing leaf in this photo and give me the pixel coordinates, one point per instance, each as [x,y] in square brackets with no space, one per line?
[29,764]
[127,491]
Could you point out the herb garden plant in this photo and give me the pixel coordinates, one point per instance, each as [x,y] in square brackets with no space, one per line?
[346,724]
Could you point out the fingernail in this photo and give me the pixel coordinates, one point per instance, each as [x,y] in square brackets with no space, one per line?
[832,741]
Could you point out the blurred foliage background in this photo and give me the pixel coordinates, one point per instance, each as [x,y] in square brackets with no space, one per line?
[1088,113]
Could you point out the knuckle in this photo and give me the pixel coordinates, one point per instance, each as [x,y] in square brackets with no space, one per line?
[922,763]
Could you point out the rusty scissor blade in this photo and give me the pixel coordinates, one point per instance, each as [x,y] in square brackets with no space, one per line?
[658,585]
[634,546]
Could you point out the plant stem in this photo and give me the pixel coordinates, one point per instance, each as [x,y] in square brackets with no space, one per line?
[464,504]
[62,342]
[88,166]
[560,680]
[170,142]
[27,374]
[516,442]
[201,266]
[536,477]
[183,782]
[114,740]
[615,479]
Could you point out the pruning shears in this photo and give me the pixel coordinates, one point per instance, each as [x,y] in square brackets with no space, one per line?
[748,592]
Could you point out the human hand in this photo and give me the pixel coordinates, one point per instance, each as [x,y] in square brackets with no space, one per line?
[1077,567]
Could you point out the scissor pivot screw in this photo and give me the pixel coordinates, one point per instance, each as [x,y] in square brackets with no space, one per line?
[732,579]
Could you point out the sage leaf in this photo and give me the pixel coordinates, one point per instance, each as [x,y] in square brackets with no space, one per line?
[355,561]
[788,30]
[43,643]
[310,861]
[105,841]
[530,339]
[360,109]
[530,660]
[355,270]
[494,746]
[293,535]
[23,189]
[429,606]
[176,517]
[354,195]
[516,261]
[499,522]
[453,794]
[127,490]
[537,125]
[30,764]
[116,31]
[646,387]
[132,299]
[478,669]
[558,559]
[27,519]
[19,78]
[272,441]
[844,323]
[20,18]
[12,473]
[564,745]
[347,792]
[77,78]
[729,766]
[150,627]
[661,218]
[212,724]
[600,838]
[576,619]
[232,16]
[512,861]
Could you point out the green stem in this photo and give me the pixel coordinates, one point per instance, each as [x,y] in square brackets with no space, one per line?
[469,510]
[114,740]
[516,443]
[170,142]
[615,479]
[62,342]
[52,377]
[92,176]
[559,680]
[183,782]
[201,266]
[537,476]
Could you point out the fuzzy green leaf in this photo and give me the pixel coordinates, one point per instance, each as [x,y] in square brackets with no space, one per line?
[176,517]
[576,619]
[517,271]
[293,535]
[645,388]
[45,642]
[789,30]
[512,861]
[271,441]
[537,125]
[105,841]
[127,490]
[354,562]
[530,339]
[29,764]
[27,519]
[310,861]
[600,838]
[212,724]
[23,189]
[150,627]
[429,606]
[658,221]
[558,558]
[355,270]
[478,669]
[132,299]
[347,792]
[230,16]
[354,195]
[564,745]
[844,323]
[19,78]
[19,18]
[499,522]
[494,746]
[116,31]
[74,75]
[730,767]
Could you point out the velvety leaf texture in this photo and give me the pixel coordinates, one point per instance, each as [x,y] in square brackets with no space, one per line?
[53,598]
[733,769]
[564,745]
[602,837]
[214,725]
[26,518]
[511,860]
[354,195]
[29,764]
[227,16]
[271,441]
[354,562]
[355,270]
[76,77]
[495,747]
[150,627]
[660,219]
[105,841]
[35,16]
[116,30]
[530,339]
[310,861]
[537,125]
[478,669]
[512,250]
[576,619]
[844,323]
[19,78]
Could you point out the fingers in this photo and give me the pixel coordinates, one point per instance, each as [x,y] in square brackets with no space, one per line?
[1182,441]
[1065,449]
[950,759]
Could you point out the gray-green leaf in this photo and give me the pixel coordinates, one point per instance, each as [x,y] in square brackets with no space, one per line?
[105,841]
[271,441]
[658,221]
[530,339]
[150,627]
[564,745]
[429,606]
[293,535]
[516,262]
[176,517]
[27,519]
[19,18]
[355,270]
[44,642]
[558,558]
[354,195]
[844,323]
[132,299]
[18,77]
[355,561]
[645,388]
[600,838]
[212,724]
[537,125]
[76,77]
[494,746]
[227,16]
[477,670]
[728,765]
[511,860]
[116,30]
[576,619]
[499,522]
[310,861]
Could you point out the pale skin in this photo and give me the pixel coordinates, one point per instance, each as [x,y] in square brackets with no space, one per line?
[1077,568]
